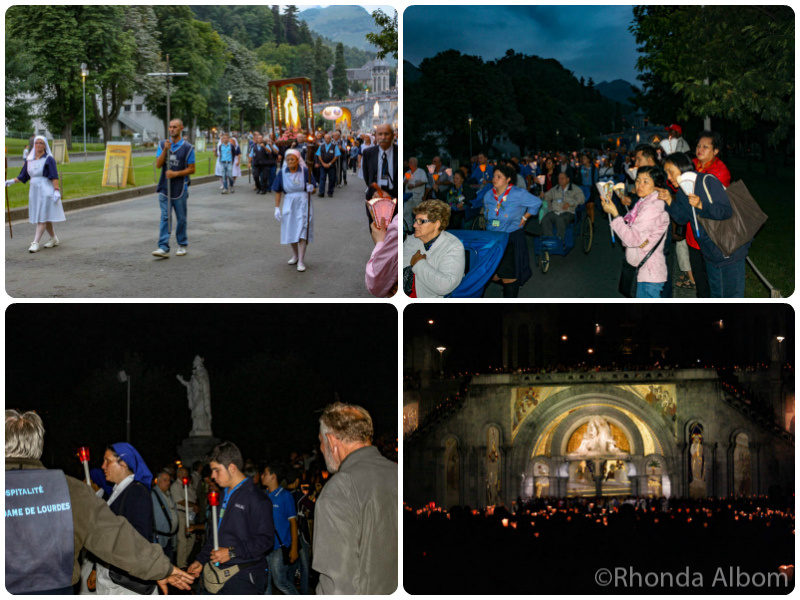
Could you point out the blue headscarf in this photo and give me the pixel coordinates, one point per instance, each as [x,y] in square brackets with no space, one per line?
[97,476]
[134,461]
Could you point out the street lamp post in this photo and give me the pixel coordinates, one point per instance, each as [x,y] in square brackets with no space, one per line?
[84,73]
[441,350]
[123,377]
[470,136]
[229,112]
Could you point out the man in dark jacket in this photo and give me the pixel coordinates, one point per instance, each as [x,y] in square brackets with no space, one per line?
[379,164]
[42,549]
[246,530]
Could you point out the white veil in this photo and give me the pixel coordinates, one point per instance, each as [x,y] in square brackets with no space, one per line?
[299,159]
[32,152]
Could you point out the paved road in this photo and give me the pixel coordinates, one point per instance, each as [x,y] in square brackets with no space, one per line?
[234,251]
[578,275]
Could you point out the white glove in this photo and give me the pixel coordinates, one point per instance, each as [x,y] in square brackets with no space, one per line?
[10,182]
[278,214]
[56,196]
[309,188]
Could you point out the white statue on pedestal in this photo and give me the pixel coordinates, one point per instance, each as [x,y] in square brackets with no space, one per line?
[198,391]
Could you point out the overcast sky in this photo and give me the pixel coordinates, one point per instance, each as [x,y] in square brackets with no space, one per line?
[591,41]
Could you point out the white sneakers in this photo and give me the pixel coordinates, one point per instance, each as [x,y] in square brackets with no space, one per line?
[182,250]
[160,253]
[292,261]
[36,246]
[301,267]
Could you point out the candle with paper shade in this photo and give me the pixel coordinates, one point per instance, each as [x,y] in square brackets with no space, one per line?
[83,455]
[606,188]
[381,206]
[687,181]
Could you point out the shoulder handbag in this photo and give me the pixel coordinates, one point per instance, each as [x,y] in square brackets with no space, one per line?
[173,527]
[741,227]
[628,278]
[134,584]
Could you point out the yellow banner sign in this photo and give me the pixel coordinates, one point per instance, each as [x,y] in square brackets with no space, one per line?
[118,166]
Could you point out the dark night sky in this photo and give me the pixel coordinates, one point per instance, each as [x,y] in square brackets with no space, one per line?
[591,41]
[272,368]
[472,332]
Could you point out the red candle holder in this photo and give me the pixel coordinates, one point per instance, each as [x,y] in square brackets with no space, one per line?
[213,498]
[83,453]
[185,481]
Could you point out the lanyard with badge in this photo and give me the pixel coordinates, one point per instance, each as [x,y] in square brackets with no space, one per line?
[499,204]
[228,493]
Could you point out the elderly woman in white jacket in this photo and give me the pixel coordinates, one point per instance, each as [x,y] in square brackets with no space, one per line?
[433,260]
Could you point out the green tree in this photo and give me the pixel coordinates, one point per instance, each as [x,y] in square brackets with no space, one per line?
[278,32]
[323,57]
[339,73]
[291,26]
[305,34]
[386,39]
[18,107]
[194,47]
[247,85]
[52,54]
[745,71]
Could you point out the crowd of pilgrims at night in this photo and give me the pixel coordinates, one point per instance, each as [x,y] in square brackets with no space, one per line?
[304,469]
[545,193]
[569,538]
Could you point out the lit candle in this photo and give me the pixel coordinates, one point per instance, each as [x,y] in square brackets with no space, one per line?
[213,502]
[83,455]
[185,481]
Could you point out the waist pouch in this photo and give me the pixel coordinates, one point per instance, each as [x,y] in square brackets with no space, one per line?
[214,578]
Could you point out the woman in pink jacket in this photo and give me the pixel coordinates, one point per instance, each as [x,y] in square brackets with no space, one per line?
[644,226]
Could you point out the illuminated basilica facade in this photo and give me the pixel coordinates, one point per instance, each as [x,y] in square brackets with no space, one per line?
[587,433]
[649,433]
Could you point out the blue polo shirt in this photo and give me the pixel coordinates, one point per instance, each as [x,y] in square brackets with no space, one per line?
[328,149]
[283,509]
[516,204]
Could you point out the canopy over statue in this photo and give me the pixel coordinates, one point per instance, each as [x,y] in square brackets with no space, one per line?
[198,391]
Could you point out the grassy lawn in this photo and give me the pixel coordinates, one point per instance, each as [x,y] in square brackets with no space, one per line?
[772,250]
[15,146]
[81,179]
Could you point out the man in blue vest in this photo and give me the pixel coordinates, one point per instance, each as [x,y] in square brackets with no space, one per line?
[51,518]
[328,154]
[176,174]
[246,531]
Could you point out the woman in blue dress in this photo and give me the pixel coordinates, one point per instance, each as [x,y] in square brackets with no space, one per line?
[507,208]
[294,184]
[44,199]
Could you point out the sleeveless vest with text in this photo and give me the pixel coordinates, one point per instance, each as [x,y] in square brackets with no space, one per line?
[39,532]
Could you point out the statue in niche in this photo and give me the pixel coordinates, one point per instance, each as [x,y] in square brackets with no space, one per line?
[452,467]
[597,439]
[741,462]
[198,391]
[492,466]
[697,487]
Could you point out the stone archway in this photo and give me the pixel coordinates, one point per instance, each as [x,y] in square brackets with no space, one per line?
[545,435]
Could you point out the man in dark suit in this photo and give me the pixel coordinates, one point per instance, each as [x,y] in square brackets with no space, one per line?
[379,164]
